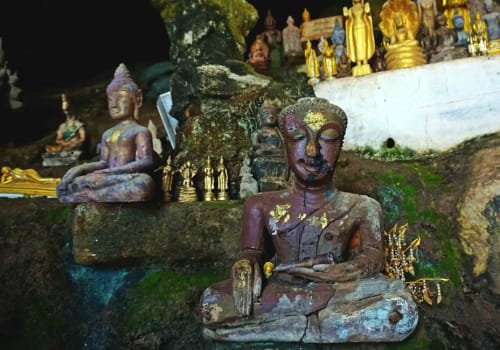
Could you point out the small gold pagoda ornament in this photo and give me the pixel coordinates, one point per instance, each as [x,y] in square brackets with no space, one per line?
[167,179]
[188,191]
[26,182]
[208,173]
[222,181]
[399,260]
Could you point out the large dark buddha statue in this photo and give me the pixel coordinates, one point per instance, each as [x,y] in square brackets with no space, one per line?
[126,153]
[309,270]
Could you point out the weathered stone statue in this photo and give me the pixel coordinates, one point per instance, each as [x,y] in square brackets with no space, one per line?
[292,46]
[69,138]
[272,36]
[125,157]
[167,180]
[338,40]
[492,19]
[306,17]
[459,27]
[322,248]
[360,40]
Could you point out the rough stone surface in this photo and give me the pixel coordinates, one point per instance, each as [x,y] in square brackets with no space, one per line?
[228,117]
[176,234]
[479,215]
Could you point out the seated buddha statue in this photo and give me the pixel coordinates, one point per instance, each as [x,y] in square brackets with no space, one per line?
[399,23]
[309,269]
[259,54]
[126,153]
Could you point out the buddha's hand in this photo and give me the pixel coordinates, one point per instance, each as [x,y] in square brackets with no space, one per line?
[247,285]
[342,272]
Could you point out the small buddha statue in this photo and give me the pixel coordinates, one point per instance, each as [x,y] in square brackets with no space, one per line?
[458,26]
[427,12]
[360,40]
[445,42]
[259,54]
[461,7]
[208,177]
[273,38]
[248,184]
[329,62]
[26,182]
[338,40]
[292,46]
[344,68]
[480,31]
[309,269]
[167,180]
[126,153]
[492,19]
[312,66]
[399,24]
[188,192]
[222,181]
[69,138]
[306,17]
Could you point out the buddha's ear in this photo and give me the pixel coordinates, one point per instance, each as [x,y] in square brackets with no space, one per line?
[138,104]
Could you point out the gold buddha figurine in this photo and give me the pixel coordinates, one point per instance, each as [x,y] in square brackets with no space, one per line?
[208,173]
[259,54]
[312,66]
[188,191]
[27,181]
[360,41]
[462,8]
[400,24]
[480,30]
[222,181]
[329,61]
[306,17]
[167,179]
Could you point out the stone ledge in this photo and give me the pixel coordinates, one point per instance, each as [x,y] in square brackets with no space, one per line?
[175,234]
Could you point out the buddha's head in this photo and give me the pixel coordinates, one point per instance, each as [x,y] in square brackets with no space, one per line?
[338,34]
[306,16]
[313,130]
[290,21]
[458,21]
[124,96]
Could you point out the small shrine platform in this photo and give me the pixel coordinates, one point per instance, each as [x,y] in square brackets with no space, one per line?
[431,107]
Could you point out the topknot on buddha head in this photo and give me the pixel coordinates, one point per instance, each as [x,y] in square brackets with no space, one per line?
[122,81]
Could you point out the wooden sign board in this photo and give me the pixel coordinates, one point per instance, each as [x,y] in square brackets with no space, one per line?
[320,27]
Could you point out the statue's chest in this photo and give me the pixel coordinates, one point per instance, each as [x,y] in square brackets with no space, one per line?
[306,237]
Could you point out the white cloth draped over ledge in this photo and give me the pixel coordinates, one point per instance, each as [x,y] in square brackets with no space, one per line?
[431,107]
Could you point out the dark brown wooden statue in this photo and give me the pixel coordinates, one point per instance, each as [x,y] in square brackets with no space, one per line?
[309,269]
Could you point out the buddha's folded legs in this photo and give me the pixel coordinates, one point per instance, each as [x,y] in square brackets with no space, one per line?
[108,188]
[376,309]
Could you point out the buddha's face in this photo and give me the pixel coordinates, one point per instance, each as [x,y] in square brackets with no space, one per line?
[121,104]
[312,146]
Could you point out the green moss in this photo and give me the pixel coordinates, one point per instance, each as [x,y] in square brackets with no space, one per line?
[397,198]
[417,343]
[449,265]
[56,215]
[386,153]
[167,8]
[163,294]
[425,174]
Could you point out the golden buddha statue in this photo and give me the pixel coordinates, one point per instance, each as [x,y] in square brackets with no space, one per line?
[188,191]
[312,66]
[480,31]
[222,181]
[27,181]
[329,61]
[462,8]
[360,41]
[399,24]
[208,173]
[306,17]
